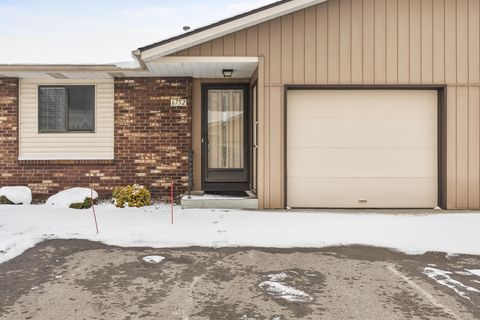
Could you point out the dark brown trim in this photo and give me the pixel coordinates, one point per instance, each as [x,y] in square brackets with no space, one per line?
[213,25]
[441,125]
[225,185]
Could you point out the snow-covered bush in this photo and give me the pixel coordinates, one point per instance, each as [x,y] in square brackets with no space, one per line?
[68,197]
[15,195]
[131,196]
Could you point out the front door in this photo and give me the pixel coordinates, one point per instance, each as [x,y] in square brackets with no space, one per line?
[225,152]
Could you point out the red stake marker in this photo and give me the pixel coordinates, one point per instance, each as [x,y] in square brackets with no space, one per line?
[171,199]
[93,208]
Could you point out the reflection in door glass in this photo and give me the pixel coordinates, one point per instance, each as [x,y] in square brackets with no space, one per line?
[225,129]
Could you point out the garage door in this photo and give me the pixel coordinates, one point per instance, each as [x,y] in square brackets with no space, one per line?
[362,148]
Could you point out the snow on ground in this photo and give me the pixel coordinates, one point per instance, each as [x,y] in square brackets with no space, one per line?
[17,195]
[74,195]
[474,271]
[21,227]
[281,290]
[277,288]
[153,259]
[443,278]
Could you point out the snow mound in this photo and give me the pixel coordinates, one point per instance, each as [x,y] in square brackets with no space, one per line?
[153,259]
[74,195]
[280,290]
[277,288]
[17,195]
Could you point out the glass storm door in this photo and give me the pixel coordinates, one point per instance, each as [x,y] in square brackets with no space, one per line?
[225,137]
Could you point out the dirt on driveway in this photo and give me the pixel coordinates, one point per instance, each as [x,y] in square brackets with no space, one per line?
[77,279]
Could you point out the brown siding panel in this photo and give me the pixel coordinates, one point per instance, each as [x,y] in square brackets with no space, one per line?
[462,41]
[322,43]
[310,45]
[403,41]
[217,47]
[206,49]
[415,42]
[450,42]
[438,41]
[299,47]
[333,45]
[287,48]
[276,51]
[462,147]
[345,41]
[391,41]
[451,147]
[473,147]
[357,41]
[252,41]
[241,43]
[229,45]
[380,41]
[427,41]
[474,41]
[368,41]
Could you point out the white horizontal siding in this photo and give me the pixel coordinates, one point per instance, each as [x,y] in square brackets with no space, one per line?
[66,146]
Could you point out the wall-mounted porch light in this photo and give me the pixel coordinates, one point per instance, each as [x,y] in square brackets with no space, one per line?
[227,73]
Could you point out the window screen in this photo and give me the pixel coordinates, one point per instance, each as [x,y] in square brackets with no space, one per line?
[52,108]
[66,108]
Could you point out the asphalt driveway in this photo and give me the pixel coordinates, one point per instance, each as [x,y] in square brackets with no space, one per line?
[77,279]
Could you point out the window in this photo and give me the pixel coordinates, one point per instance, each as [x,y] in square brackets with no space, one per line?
[66,108]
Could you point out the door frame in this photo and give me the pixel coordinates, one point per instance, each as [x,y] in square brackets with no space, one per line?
[441,126]
[243,185]
[253,136]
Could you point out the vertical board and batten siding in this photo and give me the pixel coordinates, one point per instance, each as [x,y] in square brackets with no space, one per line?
[370,42]
[66,146]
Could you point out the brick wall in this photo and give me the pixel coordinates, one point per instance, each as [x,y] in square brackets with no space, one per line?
[152,140]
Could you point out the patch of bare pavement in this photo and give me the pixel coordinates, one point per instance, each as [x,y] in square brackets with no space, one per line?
[77,279]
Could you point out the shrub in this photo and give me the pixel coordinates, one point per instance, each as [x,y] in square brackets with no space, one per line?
[131,196]
[4,200]
[87,203]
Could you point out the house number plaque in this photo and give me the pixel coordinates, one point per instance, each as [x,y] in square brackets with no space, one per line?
[178,102]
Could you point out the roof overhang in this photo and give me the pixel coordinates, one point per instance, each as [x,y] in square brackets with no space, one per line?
[221,28]
[70,71]
[203,67]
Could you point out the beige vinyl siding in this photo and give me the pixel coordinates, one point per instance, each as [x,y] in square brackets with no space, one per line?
[370,42]
[66,146]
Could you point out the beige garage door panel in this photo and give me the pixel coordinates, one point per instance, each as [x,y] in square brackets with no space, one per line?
[352,192]
[364,103]
[351,132]
[362,148]
[361,162]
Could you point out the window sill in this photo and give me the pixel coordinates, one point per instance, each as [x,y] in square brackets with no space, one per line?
[67,162]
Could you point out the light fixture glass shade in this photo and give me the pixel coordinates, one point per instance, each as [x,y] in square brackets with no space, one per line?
[227,73]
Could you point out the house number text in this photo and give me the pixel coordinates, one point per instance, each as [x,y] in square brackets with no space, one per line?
[178,102]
